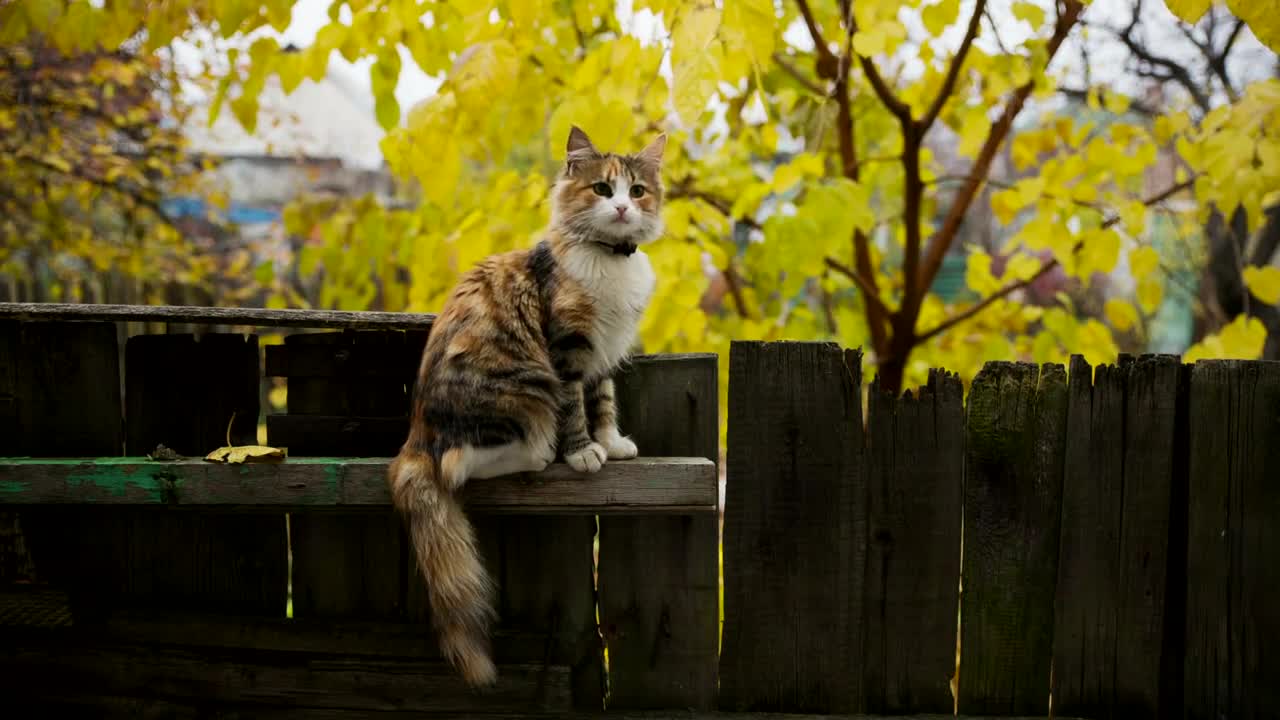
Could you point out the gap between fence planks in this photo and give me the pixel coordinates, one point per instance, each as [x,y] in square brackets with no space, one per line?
[258,317]
[643,485]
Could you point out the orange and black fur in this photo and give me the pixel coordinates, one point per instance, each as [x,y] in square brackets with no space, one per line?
[517,370]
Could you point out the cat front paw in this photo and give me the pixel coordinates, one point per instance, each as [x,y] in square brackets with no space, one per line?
[589,459]
[617,446]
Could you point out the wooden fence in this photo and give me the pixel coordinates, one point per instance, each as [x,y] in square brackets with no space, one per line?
[1105,539]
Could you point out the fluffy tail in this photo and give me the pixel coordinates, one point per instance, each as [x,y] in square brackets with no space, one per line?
[460,591]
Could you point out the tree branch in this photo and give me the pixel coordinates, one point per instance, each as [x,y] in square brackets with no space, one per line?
[1176,72]
[953,71]
[868,290]
[799,77]
[1045,269]
[864,277]
[819,44]
[943,239]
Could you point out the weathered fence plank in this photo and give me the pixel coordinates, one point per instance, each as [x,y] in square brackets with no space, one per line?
[659,576]
[794,530]
[344,565]
[1121,454]
[1016,418]
[260,317]
[914,470]
[66,401]
[46,668]
[678,485]
[192,397]
[1232,615]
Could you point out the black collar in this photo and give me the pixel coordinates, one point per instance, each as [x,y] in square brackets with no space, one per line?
[623,248]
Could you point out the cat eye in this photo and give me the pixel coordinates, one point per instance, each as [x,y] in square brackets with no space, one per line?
[602,189]
[637,191]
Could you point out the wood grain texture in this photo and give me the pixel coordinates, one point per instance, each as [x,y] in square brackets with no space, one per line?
[676,485]
[45,669]
[1089,558]
[1122,449]
[292,360]
[346,565]
[1016,423]
[1232,616]
[794,520]
[361,436]
[190,394]
[85,312]
[66,400]
[184,394]
[915,471]
[67,390]
[659,576]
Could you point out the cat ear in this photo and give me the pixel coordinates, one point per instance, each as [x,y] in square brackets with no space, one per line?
[652,153]
[579,144]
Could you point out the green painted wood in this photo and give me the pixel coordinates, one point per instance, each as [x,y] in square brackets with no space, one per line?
[663,485]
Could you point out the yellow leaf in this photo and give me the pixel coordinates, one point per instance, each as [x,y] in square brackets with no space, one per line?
[694,33]
[1100,252]
[973,131]
[1242,339]
[1031,12]
[1022,267]
[1143,261]
[246,453]
[749,24]
[1264,283]
[937,17]
[883,37]
[1096,343]
[483,72]
[1150,293]
[1116,103]
[1121,314]
[977,274]
[693,84]
[1189,11]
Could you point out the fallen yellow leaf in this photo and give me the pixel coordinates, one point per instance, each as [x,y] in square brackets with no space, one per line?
[246,453]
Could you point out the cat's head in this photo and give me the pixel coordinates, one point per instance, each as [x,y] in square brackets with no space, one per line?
[609,199]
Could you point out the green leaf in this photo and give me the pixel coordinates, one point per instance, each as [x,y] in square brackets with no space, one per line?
[265,272]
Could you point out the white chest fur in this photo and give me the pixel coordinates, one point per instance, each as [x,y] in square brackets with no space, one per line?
[621,287]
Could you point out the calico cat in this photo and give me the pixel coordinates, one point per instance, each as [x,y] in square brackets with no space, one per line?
[518,366]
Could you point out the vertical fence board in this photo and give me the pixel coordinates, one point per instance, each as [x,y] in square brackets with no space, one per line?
[1016,422]
[1084,668]
[346,565]
[190,395]
[659,576]
[1117,502]
[1152,453]
[1233,616]
[66,403]
[914,466]
[794,529]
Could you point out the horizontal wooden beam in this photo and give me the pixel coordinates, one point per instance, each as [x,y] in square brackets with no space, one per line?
[258,317]
[643,485]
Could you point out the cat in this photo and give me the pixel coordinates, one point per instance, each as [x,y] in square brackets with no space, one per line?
[518,368]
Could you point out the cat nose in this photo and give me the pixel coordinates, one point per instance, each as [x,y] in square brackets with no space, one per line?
[622,210]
